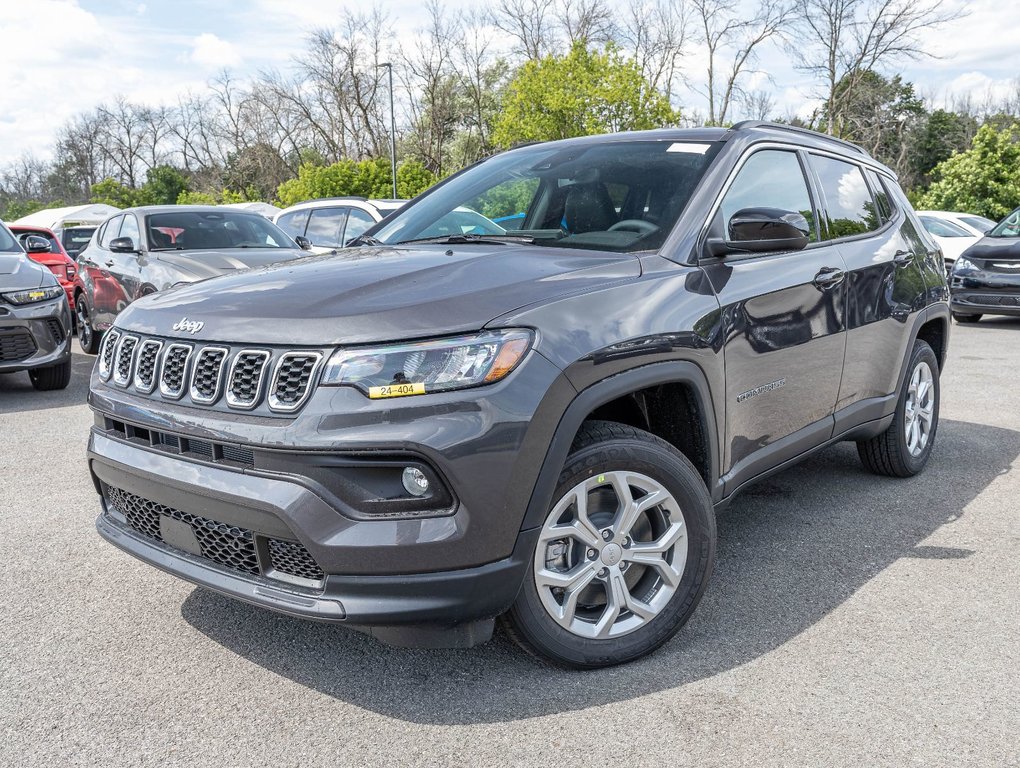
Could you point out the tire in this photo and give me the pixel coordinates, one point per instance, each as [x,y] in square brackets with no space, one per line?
[899,451]
[88,337]
[614,587]
[54,377]
[965,318]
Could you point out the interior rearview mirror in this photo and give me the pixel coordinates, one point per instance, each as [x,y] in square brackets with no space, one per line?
[762,230]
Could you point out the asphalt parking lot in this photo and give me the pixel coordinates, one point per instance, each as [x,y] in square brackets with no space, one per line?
[852,620]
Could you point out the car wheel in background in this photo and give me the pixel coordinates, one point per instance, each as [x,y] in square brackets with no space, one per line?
[53,377]
[623,556]
[903,449]
[88,337]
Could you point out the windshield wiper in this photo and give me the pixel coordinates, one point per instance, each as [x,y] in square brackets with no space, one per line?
[473,239]
[364,240]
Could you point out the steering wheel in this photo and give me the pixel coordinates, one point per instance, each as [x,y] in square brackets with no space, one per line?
[640,226]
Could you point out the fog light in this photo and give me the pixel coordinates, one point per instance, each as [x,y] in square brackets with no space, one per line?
[415,482]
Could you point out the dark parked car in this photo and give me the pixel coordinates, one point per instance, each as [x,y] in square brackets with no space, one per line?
[44,248]
[145,250]
[35,321]
[986,278]
[420,435]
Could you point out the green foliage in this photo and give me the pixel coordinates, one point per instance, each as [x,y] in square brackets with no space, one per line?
[163,185]
[943,134]
[984,180]
[585,92]
[367,178]
[112,192]
[15,209]
[223,197]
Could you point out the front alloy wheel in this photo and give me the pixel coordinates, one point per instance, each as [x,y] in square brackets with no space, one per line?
[623,555]
[87,337]
[919,409]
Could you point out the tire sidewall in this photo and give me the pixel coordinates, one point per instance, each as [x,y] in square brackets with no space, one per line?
[922,353]
[683,482]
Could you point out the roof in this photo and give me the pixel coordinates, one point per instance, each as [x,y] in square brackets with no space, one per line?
[54,217]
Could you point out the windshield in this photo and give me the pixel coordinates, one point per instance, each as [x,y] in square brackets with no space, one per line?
[980,223]
[7,241]
[76,238]
[943,228]
[614,196]
[212,230]
[1008,227]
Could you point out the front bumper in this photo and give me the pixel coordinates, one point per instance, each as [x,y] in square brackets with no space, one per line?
[986,302]
[34,335]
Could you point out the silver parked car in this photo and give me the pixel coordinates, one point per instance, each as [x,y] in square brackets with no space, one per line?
[144,250]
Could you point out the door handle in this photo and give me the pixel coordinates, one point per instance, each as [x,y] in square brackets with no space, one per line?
[901,258]
[828,277]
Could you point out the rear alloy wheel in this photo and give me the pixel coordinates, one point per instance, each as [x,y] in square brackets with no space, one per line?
[965,318]
[88,337]
[622,557]
[903,449]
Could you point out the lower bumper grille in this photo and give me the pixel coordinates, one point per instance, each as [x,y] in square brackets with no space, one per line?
[227,545]
[16,345]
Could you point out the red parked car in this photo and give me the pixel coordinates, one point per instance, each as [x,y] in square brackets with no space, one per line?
[54,257]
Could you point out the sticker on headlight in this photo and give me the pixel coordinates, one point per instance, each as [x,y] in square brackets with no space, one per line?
[397,390]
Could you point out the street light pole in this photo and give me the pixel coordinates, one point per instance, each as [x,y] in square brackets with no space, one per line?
[393,130]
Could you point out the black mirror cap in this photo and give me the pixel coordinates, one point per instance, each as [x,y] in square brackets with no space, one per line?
[123,245]
[36,244]
[762,230]
[303,243]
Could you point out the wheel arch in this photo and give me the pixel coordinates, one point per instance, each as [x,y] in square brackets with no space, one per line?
[638,397]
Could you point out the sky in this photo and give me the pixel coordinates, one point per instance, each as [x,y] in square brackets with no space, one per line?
[63,57]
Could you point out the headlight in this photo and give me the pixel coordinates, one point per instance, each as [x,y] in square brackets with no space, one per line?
[962,264]
[34,295]
[416,368]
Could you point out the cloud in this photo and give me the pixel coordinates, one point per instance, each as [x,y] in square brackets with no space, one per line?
[212,52]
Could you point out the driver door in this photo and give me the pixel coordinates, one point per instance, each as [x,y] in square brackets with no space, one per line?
[782,316]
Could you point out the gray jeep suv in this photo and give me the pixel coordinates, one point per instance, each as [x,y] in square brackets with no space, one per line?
[424,433]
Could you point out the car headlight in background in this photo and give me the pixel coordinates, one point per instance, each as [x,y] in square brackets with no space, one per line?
[417,368]
[34,295]
[964,265]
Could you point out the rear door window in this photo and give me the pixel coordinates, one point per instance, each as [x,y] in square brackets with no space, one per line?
[849,207]
[325,226]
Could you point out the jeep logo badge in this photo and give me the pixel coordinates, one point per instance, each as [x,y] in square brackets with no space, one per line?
[188,326]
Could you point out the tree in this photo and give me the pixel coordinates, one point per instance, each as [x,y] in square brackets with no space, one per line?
[730,34]
[582,93]
[984,180]
[943,134]
[840,41]
[366,178]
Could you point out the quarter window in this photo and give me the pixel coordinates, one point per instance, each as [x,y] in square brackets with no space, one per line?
[325,225]
[112,230]
[885,207]
[770,179]
[357,222]
[850,209]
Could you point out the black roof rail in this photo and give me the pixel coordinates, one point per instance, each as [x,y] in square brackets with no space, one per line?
[327,199]
[744,125]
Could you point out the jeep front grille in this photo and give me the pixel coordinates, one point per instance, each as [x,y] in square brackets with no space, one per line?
[230,546]
[270,381]
[208,373]
[246,375]
[292,379]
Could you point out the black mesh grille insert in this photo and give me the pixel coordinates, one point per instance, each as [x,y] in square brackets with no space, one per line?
[16,345]
[205,381]
[174,362]
[246,378]
[106,353]
[125,357]
[227,545]
[56,329]
[292,558]
[145,370]
[293,377]
[238,454]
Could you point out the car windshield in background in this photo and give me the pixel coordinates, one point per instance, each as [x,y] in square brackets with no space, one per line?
[980,223]
[617,196]
[7,241]
[1008,227]
[212,230]
[76,238]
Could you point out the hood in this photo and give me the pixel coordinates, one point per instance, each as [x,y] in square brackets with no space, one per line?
[203,264]
[20,273]
[376,294]
[994,248]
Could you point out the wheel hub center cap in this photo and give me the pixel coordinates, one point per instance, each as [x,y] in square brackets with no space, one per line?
[612,554]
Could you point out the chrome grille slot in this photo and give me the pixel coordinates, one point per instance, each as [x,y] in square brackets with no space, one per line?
[247,373]
[145,368]
[106,354]
[292,380]
[125,358]
[175,369]
[207,375]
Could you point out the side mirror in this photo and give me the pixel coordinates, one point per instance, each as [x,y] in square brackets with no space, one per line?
[763,230]
[36,244]
[123,245]
[303,243]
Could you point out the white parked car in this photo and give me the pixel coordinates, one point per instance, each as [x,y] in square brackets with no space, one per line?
[954,232]
[333,222]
